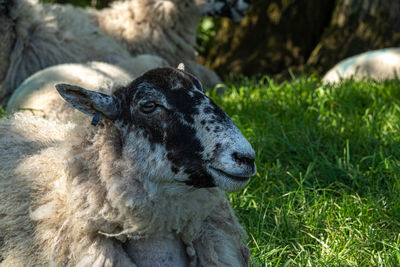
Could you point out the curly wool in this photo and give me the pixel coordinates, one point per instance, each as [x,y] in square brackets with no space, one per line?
[69,196]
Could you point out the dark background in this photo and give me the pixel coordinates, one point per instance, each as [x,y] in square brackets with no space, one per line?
[297,35]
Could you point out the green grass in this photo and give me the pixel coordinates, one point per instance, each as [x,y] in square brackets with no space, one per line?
[327,191]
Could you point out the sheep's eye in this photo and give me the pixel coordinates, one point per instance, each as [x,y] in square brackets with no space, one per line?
[148,107]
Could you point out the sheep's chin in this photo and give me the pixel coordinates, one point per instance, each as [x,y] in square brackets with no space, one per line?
[228,182]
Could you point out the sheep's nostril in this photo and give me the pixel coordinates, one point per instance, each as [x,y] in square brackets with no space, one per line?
[243,159]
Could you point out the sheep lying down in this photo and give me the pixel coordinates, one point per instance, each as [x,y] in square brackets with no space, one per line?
[37,35]
[37,95]
[142,186]
[378,65]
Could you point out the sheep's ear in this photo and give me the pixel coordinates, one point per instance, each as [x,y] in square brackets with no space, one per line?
[181,66]
[90,102]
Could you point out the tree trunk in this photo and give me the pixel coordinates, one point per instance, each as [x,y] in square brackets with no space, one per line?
[310,35]
[275,35]
[357,26]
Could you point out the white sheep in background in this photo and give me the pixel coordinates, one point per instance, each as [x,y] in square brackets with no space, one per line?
[142,188]
[45,35]
[166,28]
[37,36]
[376,65]
[37,95]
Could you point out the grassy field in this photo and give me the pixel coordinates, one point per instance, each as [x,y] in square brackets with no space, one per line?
[327,191]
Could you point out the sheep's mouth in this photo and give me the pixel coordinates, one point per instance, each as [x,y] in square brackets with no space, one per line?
[217,173]
[228,181]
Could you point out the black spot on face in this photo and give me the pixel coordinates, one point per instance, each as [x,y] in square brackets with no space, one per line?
[185,150]
[151,129]
[182,144]
[219,115]
[200,180]
[217,149]
[208,110]
[217,129]
[185,104]
[218,146]
[165,127]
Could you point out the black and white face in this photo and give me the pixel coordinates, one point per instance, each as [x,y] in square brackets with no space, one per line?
[234,9]
[173,132]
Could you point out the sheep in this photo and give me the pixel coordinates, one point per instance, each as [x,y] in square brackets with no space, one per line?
[170,31]
[37,94]
[377,65]
[142,186]
[42,35]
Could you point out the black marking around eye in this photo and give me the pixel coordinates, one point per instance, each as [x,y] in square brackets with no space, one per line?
[187,105]
[174,127]
[149,129]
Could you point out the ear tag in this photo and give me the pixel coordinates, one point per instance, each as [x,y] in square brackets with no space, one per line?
[96,119]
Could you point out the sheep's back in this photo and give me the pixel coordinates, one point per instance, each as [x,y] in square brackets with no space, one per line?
[22,138]
[48,35]
[38,96]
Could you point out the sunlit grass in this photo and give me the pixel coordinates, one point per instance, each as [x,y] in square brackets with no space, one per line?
[327,191]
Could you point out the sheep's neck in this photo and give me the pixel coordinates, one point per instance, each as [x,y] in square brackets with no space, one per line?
[168,251]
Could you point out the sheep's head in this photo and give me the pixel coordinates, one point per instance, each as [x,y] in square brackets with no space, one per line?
[234,9]
[171,130]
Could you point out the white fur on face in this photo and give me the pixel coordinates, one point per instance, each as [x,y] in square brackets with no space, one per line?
[222,140]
